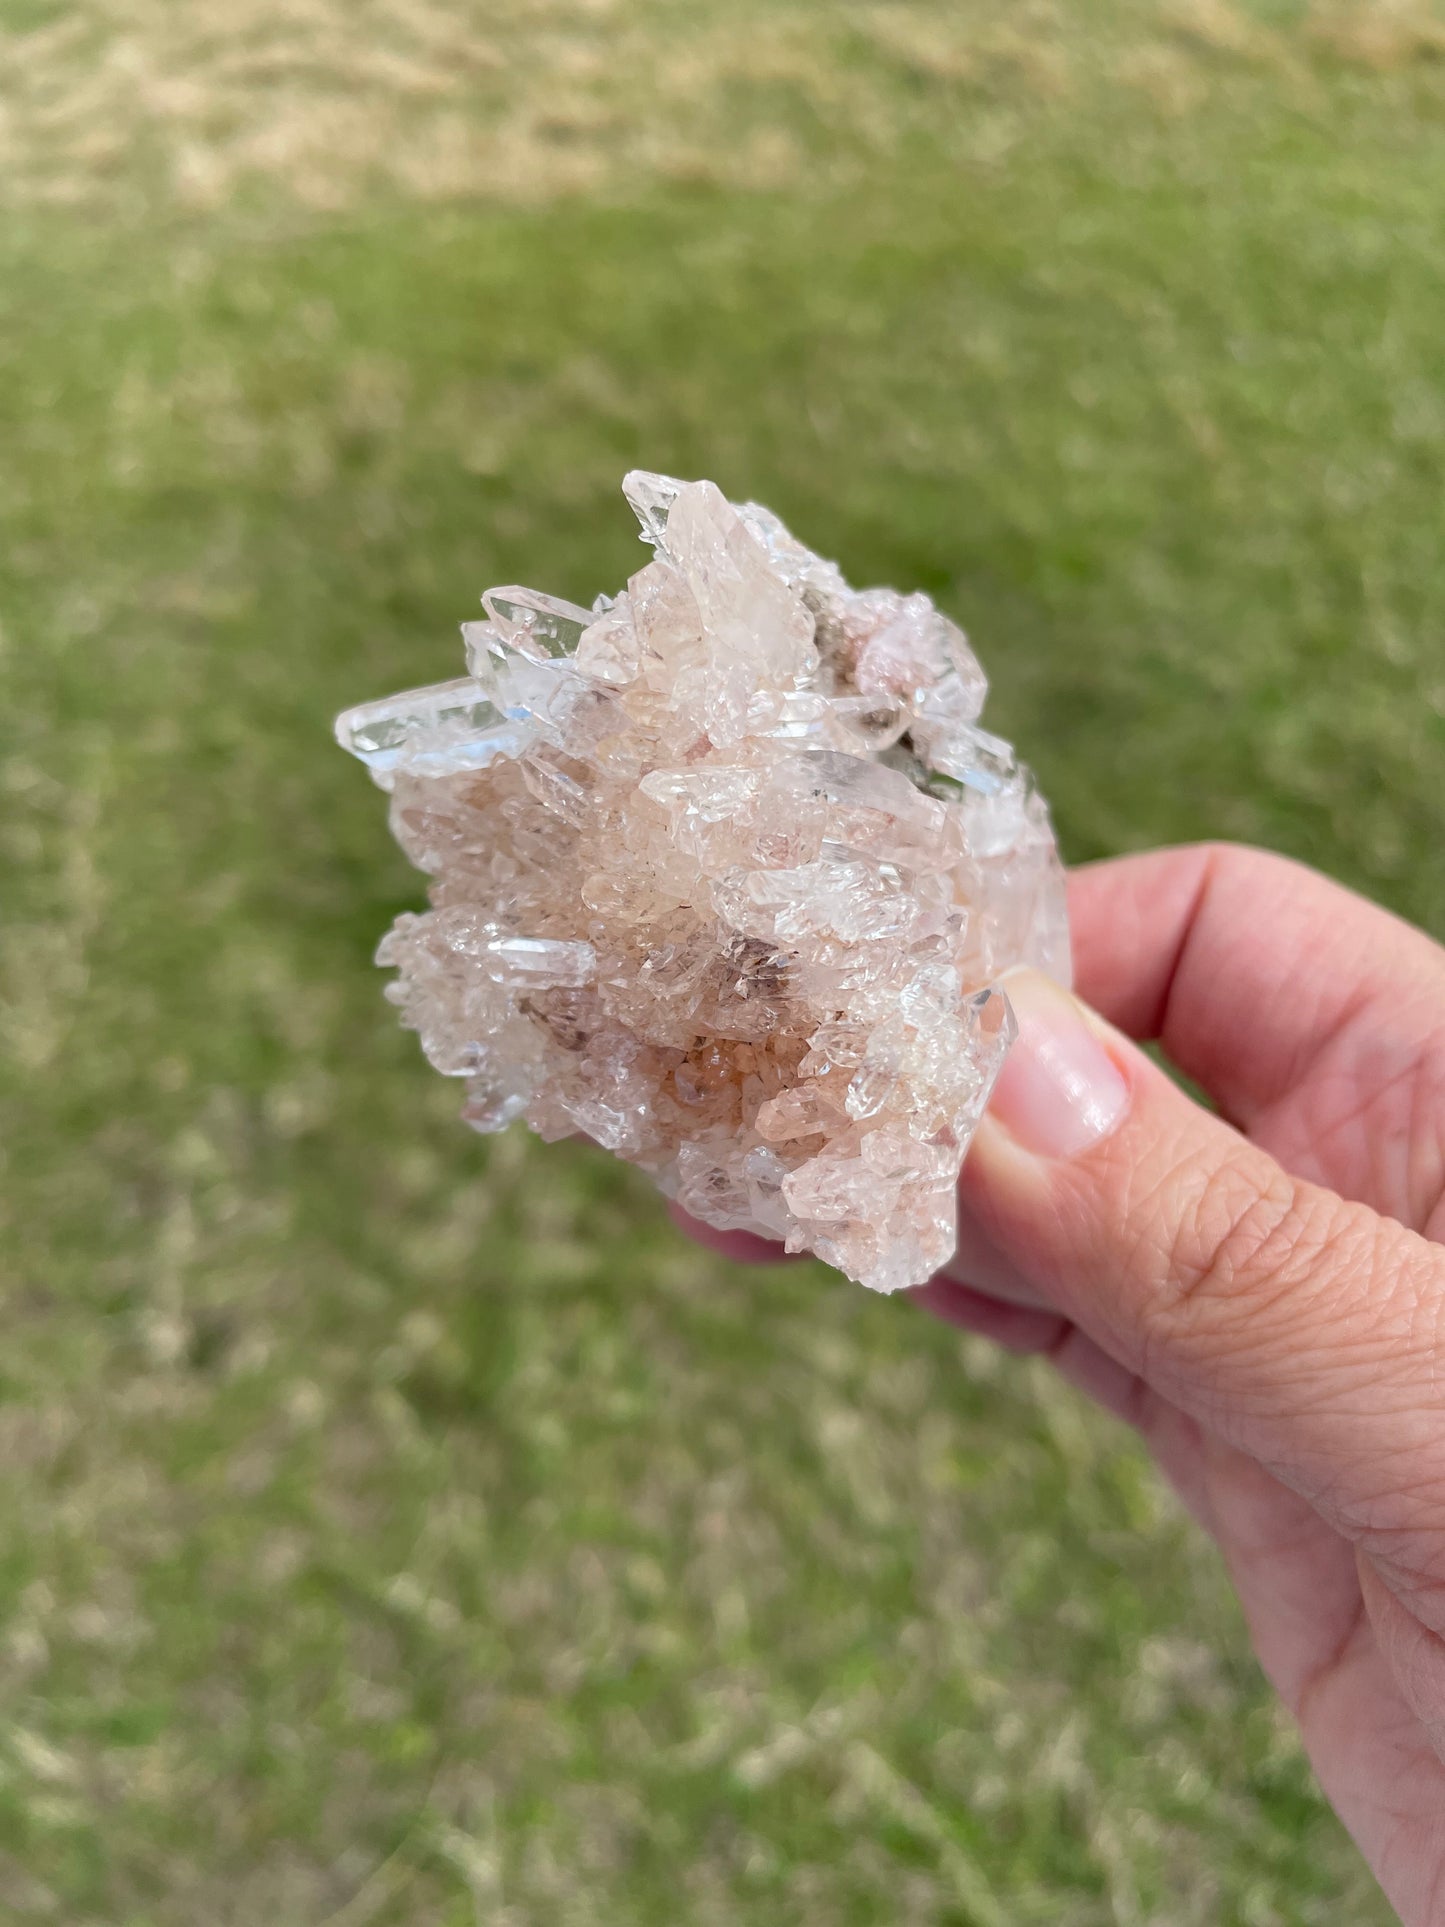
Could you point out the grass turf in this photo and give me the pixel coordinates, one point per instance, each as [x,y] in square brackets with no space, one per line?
[403,1529]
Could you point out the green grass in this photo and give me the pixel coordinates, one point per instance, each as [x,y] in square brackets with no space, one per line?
[404,1529]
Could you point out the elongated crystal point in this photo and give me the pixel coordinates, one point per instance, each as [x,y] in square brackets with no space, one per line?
[722,871]
[450,726]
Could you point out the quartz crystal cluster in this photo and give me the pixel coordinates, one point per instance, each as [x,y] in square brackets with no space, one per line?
[722,872]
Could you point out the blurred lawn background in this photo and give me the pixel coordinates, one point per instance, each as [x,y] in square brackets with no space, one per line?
[398,1528]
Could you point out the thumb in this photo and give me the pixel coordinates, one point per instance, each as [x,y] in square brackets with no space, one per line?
[1303,1329]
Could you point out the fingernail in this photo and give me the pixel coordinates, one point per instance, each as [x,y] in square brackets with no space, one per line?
[1059,1090]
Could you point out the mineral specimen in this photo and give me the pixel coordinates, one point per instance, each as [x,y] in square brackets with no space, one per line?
[722,870]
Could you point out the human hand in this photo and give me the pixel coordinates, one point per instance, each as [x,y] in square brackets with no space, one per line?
[1263,1298]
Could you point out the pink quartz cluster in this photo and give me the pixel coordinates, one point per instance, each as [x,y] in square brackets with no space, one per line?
[722,871]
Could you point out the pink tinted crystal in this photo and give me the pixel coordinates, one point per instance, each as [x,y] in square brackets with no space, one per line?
[721,873]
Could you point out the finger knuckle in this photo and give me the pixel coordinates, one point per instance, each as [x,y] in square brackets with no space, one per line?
[1231,1236]
[1242,1242]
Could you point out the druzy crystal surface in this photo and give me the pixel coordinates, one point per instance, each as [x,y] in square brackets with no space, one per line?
[722,872]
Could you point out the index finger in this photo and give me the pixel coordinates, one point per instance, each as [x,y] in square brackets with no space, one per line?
[1243,965]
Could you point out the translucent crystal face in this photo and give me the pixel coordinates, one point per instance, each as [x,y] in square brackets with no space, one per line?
[722,871]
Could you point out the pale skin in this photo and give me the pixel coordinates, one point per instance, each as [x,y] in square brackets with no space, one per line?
[1262,1297]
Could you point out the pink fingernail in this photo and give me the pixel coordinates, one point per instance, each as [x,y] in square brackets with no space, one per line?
[1059,1091]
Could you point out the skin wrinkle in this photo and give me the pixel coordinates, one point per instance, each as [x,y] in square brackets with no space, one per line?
[1400,1761]
[1396,1509]
[1421,1669]
[1184,1452]
[1425,1136]
[1298,1603]
[1191,924]
[1186,1260]
[1321,1286]
[1145,1190]
[1414,1843]
[1236,1245]
[1411,1561]
[1416,1080]
[1317,1051]
[1317,1677]
[1415,1654]
[1430,1313]
[1285,1247]
[1328,1141]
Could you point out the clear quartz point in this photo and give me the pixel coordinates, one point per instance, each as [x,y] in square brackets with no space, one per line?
[652,498]
[542,962]
[537,625]
[523,687]
[722,871]
[449,727]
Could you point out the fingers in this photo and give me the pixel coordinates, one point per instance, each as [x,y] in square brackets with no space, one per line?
[1304,1330]
[978,1263]
[1243,964]
[1018,1328]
